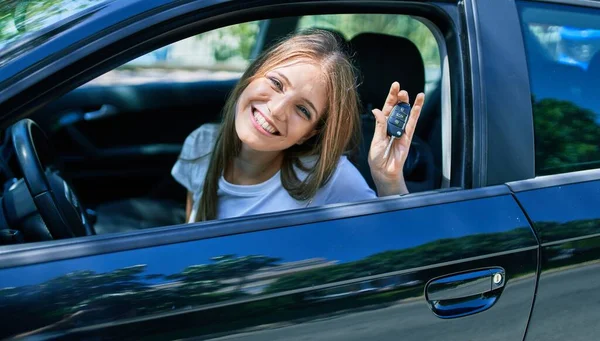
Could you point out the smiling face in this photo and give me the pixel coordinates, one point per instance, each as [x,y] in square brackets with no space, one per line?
[282,107]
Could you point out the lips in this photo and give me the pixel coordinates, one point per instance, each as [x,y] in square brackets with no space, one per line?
[262,123]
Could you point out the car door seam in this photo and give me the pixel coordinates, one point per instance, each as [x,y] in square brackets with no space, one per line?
[539,259]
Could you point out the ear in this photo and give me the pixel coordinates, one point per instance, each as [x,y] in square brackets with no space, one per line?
[307,136]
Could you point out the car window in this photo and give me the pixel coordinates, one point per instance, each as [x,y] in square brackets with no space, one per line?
[350,25]
[168,103]
[563,54]
[223,53]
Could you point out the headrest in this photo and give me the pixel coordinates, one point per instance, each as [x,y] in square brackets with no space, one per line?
[383,59]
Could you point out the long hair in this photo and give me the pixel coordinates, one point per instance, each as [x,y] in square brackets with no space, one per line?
[338,129]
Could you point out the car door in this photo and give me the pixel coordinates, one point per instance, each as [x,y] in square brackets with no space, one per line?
[563,51]
[355,272]
[449,264]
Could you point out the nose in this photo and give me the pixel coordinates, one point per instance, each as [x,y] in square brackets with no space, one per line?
[278,107]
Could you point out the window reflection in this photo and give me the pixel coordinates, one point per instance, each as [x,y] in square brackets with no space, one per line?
[563,55]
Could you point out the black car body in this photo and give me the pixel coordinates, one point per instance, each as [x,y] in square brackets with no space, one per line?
[497,247]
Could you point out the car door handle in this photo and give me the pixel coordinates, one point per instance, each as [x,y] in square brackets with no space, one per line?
[465,293]
[72,117]
[106,110]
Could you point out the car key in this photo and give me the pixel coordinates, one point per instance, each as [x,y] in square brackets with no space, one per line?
[396,124]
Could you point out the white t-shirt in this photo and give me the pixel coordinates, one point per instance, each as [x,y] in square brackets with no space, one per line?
[346,183]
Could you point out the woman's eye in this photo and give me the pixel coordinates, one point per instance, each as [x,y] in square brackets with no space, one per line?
[304,111]
[277,83]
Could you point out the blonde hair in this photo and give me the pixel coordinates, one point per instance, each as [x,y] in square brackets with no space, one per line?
[338,130]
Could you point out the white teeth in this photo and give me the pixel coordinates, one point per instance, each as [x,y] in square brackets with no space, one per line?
[263,123]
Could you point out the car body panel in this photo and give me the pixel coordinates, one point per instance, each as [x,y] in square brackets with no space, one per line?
[506,95]
[564,212]
[370,268]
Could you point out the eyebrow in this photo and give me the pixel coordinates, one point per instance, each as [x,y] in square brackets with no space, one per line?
[290,84]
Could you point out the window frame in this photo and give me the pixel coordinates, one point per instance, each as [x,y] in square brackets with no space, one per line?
[502,120]
[146,39]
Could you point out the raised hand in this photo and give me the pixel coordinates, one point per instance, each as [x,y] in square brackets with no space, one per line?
[387,172]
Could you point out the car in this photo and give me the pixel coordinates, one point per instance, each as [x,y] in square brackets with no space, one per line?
[499,238]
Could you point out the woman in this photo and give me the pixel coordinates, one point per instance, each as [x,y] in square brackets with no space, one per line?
[285,128]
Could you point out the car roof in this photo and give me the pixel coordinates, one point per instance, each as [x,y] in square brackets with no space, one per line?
[48,43]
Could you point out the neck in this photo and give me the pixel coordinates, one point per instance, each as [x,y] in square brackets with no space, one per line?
[252,167]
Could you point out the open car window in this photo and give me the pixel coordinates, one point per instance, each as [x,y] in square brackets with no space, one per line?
[212,59]
[219,54]
[152,103]
[350,25]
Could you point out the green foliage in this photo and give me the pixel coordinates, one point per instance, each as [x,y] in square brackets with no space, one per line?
[236,40]
[350,25]
[566,136]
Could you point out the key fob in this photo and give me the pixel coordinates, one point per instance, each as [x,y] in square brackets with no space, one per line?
[398,119]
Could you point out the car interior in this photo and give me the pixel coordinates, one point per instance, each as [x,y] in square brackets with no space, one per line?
[117,143]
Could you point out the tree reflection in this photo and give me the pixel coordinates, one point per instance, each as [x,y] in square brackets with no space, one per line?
[126,292]
[221,285]
[567,136]
[86,297]
[438,251]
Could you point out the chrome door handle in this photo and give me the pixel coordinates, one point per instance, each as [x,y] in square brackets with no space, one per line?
[465,293]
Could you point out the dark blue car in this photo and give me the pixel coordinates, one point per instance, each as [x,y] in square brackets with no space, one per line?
[499,238]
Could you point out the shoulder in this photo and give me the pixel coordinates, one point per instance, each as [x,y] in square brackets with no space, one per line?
[200,142]
[192,164]
[346,184]
[346,171]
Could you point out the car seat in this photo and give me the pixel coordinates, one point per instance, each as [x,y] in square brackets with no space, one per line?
[381,60]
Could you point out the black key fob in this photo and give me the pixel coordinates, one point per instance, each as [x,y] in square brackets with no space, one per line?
[398,119]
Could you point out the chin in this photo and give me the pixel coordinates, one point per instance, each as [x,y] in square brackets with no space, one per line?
[253,141]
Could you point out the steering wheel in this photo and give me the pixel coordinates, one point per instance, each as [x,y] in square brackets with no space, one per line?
[419,166]
[59,208]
